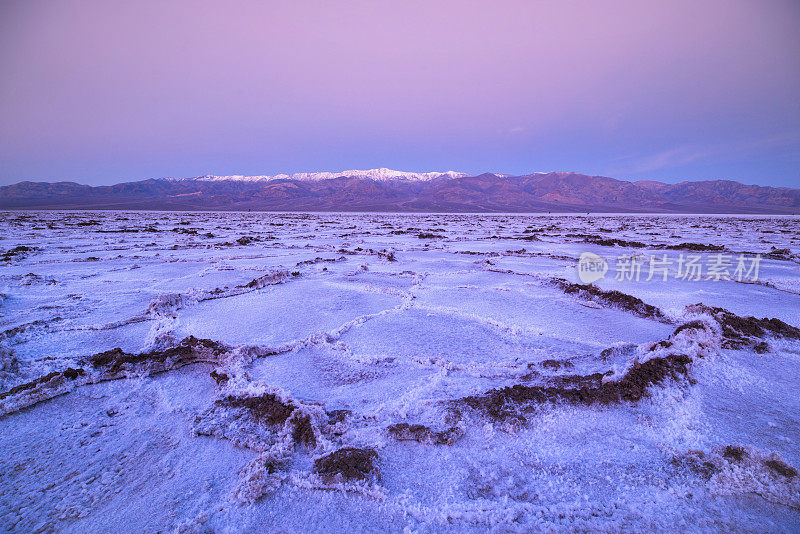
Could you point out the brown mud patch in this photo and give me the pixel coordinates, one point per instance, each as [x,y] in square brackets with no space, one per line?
[735,453]
[266,408]
[265,412]
[270,279]
[613,242]
[219,378]
[696,247]
[303,432]
[49,381]
[745,332]
[781,468]
[696,462]
[33,325]
[41,389]
[110,365]
[783,254]
[347,464]
[507,403]
[740,470]
[557,365]
[190,350]
[612,298]
[18,252]
[424,434]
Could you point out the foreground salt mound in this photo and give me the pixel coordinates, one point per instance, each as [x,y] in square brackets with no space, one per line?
[269,420]
[116,363]
[741,470]
[612,298]
[655,363]
[111,365]
[261,417]
[745,332]
[41,389]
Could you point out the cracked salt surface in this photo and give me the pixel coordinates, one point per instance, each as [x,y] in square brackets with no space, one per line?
[338,372]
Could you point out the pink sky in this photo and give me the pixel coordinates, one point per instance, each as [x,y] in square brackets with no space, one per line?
[100,92]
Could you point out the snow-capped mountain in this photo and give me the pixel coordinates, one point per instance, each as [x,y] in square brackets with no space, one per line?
[378,175]
[386,190]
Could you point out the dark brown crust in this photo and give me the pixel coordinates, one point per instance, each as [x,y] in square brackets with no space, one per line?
[613,298]
[424,434]
[347,463]
[49,380]
[741,332]
[189,350]
[266,408]
[505,403]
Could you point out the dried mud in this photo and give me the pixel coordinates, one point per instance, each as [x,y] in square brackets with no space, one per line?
[347,464]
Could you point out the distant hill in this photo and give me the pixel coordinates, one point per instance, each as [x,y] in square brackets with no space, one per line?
[386,190]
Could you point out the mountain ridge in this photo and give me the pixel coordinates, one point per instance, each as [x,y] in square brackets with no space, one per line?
[381,174]
[387,190]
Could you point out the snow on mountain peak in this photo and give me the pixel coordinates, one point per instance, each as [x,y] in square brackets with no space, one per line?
[378,175]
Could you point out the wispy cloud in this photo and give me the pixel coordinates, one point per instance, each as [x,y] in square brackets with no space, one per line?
[677,157]
[667,159]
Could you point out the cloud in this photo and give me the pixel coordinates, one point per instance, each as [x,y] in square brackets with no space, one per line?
[674,158]
[668,159]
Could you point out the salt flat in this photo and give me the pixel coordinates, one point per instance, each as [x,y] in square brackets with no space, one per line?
[390,372]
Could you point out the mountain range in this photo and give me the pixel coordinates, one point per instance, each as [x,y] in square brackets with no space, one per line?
[387,190]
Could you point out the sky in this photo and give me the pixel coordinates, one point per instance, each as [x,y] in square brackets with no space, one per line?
[101,92]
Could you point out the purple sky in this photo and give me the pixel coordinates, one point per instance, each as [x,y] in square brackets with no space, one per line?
[107,91]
